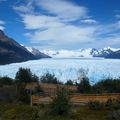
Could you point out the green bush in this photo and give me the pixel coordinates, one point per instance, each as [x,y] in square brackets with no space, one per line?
[113,104]
[60,105]
[6,81]
[95,105]
[109,104]
[116,104]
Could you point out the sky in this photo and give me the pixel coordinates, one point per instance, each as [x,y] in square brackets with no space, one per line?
[62,24]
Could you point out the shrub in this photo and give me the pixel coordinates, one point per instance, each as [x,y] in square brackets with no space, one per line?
[60,105]
[108,86]
[95,105]
[109,104]
[116,104]
[6,81]
[22,95]
[113,104]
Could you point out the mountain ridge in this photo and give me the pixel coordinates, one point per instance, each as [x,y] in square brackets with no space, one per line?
[36,52]
[83,52]
[12,52]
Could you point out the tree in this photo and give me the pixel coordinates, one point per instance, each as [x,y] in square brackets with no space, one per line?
[24,75]
[49,78]
[84,85]
[35,78]
[6,81]
[61,103]
[108,86]
[69,82]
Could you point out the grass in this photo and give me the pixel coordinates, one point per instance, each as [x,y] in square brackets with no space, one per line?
[26,112]
[84,113]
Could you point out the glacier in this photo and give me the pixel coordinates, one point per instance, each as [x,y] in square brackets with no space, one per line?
[67,68]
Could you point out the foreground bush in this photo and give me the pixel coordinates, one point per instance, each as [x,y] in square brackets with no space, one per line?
[6,81]
[25,112]
[95,105]
[108,105]
[60,105]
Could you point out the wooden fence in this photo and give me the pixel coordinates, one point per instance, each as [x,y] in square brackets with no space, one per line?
[76,99]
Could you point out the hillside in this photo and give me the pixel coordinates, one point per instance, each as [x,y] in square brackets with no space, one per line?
[12,52]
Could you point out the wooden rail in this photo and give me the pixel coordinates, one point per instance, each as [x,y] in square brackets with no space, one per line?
[76,99]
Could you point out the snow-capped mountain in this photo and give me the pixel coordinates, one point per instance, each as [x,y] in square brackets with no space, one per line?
[87,53]
[69,53]
[11,51]
[36,52]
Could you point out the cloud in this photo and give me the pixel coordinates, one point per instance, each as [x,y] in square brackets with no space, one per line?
[111,40]
[117,16]
[66,34]
[63,24]
[28,8]
[89,21]
[56,29]
[55,32]
[2,25]
[51,29]
[41,21]
[2,22]
[65,10]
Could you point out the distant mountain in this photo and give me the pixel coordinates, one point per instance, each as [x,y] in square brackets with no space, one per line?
[36,52]
[68,53]
[87,53]
[12,52]
[108,52]
[115,55]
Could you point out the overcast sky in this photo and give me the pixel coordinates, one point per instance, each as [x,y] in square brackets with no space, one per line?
[62,24]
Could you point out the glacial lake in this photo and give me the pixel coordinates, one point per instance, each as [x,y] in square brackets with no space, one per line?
[65,69]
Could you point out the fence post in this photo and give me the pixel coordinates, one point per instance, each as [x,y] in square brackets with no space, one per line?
[31,100]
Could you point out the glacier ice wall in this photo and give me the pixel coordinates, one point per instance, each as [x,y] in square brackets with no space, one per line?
[66,69]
